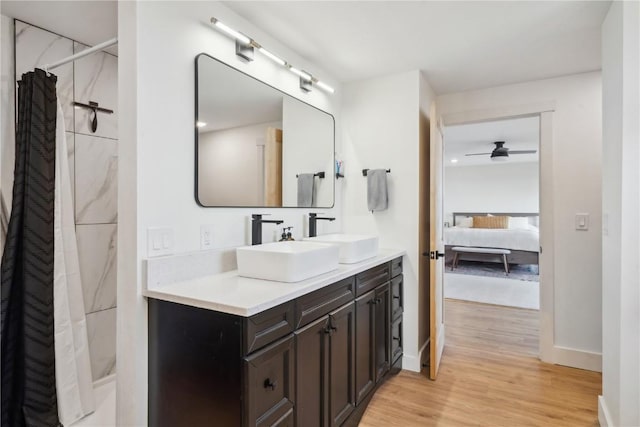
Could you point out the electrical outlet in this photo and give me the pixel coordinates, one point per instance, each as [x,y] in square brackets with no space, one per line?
[206,236]
[159,241]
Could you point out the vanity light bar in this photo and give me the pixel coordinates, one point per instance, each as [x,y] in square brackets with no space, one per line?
[233,33]
[324,86]
[301,73]
[272,57]
[306,79]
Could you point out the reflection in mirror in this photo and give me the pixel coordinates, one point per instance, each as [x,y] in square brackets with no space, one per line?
[257,146]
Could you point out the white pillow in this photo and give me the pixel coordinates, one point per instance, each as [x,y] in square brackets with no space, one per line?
[464,222]
[519,223]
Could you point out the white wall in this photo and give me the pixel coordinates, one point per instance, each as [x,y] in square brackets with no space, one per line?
[7,97]
[499,187]
[620,401]
[381,130]
[576,183]
[231,165]
[158,42]
[306,148]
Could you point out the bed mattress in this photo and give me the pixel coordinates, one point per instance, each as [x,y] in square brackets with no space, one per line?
[515,239]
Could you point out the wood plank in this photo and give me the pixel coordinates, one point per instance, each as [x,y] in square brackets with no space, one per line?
[489,376]
[273,168]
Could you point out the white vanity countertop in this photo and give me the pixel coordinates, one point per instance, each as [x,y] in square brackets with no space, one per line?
[243,296]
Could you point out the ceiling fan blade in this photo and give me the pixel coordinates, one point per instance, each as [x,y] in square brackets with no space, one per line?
[522,151]
[478,154]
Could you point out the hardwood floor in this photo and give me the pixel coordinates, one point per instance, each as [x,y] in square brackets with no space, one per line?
[489,376]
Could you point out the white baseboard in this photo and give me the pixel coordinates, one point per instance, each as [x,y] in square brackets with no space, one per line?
[577,358]
[604,417]
[424,346]
[411,363]
[104,380]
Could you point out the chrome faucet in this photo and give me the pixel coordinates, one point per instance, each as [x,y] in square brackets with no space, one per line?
[313,219]
[256,227]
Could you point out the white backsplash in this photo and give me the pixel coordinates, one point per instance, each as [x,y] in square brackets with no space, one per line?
[176,268]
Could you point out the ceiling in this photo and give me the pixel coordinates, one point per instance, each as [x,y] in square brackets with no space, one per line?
[89,22]
[519,134]
[459,45]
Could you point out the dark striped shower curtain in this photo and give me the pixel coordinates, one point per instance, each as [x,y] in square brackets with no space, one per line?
[28,360]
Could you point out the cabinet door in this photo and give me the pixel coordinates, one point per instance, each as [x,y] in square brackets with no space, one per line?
[311,374]
[382,304]
[365,345]
[341,364]
[269,384]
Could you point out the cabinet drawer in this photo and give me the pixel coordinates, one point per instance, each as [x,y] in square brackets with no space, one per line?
[396,267]
[396,340]
[268,326]
[269,385]
[371,278]
[397,298]
[316,304]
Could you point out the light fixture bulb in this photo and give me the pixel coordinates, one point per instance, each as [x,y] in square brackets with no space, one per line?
[324,86]
[200,124]
[301,73]
[272,57]
[500,158]
[454,160]
[233,33]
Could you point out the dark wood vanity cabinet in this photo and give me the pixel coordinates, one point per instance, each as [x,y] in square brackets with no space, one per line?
[269,387]
[313,361]
[325,362]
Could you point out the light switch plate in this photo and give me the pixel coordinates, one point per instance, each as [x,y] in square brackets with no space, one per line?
[206,236]
[159,241]
[582,221]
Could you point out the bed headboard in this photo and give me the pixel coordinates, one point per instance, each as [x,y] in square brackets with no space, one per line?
[533,215]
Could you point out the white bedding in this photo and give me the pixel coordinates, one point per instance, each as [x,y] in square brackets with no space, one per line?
[514,239]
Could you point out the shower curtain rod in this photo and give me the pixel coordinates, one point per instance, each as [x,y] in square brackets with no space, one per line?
[91,50]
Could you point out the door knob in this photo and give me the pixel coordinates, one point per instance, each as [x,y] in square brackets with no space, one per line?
[434,254]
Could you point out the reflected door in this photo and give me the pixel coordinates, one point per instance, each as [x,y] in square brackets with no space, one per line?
[273,168]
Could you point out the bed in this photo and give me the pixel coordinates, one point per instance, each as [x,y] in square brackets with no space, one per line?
[524,242]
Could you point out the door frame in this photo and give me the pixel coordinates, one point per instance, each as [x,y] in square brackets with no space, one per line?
[543,110]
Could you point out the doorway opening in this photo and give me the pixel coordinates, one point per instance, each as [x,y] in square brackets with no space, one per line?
[491,212]
[491,209]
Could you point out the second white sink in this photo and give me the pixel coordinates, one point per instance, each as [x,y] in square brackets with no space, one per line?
[287,261]
[353,247]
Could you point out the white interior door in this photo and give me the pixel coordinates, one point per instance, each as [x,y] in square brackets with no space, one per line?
[436,243]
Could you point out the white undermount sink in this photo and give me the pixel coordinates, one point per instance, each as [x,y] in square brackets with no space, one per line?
[290,261]
[353,247]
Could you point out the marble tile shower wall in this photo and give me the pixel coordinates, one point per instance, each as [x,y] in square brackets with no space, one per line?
[93,166]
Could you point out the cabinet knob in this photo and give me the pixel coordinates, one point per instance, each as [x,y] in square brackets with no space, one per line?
[330,330]
[378,300]
[396,297]
[270,384]
[396,338]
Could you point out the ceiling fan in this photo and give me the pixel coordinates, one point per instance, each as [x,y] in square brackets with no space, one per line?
[501,153]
